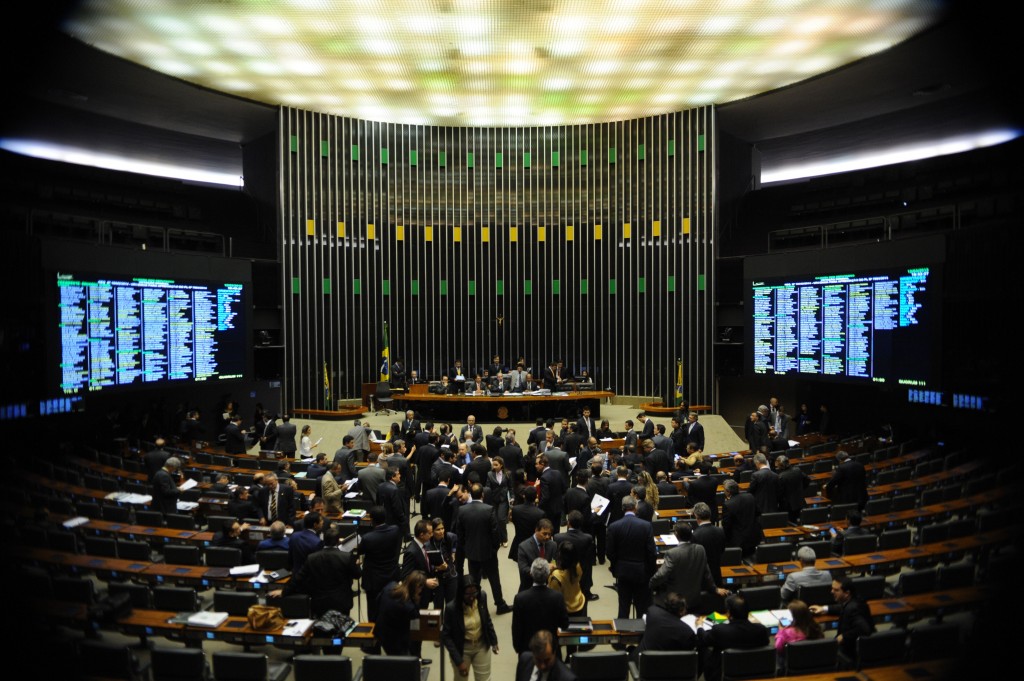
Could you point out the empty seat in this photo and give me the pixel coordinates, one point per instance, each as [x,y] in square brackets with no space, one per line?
[840,511]
[273,560]
[116,514]
[815,594]
[223,556]
[903,473]
[62,541]
[779,552]
[762,597]
[904,502]
[390,668]
[322,668]
[869,588]
[813,516]
[963,527]
[134,550]
[149,518]
[667,665]
[733,555]
[673,501]
[754,663]
[894,539]
[811,657]
[234,602]
[105,547]
[878,506]
[108,660]
[178,664]
[295,606]
[770,520]
[932,496]
[216,523]
[886,477]
[138,594]
[955,576]
[917,582]
[180,521]
[862,543]
[228,666]
[74,589]
[881,648]
[182,554]
[930,534]
[821,548]
[602,665]
[931,641]
[175,598]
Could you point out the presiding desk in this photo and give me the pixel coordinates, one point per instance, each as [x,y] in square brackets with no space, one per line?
[507,407]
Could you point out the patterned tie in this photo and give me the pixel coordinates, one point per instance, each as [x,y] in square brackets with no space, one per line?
[273,505]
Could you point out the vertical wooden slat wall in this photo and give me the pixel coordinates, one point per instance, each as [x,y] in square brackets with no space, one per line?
[590,243]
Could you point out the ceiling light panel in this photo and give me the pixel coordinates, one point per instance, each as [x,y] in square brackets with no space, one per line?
[397,60]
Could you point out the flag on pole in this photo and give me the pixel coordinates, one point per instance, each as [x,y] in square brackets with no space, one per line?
[327,388]
[385,357]
[679,380]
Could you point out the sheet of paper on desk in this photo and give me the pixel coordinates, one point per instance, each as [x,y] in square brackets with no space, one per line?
[75,522]
[241,570]
[187,505]
[765,617]
[297,627]
[691,621]
[669,539]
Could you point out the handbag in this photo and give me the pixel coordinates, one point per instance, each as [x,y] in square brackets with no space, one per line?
[265,617]
[333,623]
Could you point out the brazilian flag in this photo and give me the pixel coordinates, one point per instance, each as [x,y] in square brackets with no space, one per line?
[385,357]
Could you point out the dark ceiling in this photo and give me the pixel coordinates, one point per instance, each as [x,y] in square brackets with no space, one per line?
[955,78]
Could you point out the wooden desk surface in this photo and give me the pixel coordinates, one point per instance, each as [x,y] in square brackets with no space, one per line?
[518,398]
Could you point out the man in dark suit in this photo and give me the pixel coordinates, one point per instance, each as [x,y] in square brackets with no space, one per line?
[391,496]
[275,501]
[525,516]
[234,437]
[410,426]
[738,632]
[764,485]
[849,482]
[286,436]
[793,483]
[268,433]
[712,538]
[512,454]
[618,490]
[854,618]
[480,464]
[165,486]
[346,455]
[739,519]
[435,501]
[549,377]
[551,490]
[694,431]
[578,498]
[380,548]
[536,436]
[471,427]
[585,425]
[306,541]
[476,525]
[664,628]
[632,554]
[539,545]
[415,557]
[538,609]
[585,548]
[155,458]
[457,375]
[557,457]
[684,571]
[326,577]
[756,432]
[647,432]
[655,459]
[541,662]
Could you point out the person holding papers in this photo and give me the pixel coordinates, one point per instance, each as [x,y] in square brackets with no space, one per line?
[306,444]
[165,487]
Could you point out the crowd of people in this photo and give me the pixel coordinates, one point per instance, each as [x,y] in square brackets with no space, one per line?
[557,503]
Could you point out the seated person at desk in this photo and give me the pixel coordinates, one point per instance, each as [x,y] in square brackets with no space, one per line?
[498,384]
[664,628]
[738,632]
[477,387]
[854,618]
[231,537]
[223,483]
[278,539]
[604,432]
[853,529]
[808,575]
[326,577]
[803,627]
[443,388]
[241,506]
